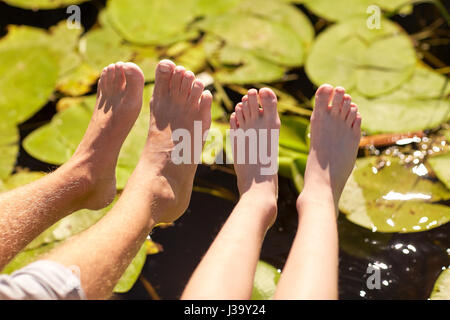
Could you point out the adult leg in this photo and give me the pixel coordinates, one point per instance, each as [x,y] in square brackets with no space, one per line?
[87,180]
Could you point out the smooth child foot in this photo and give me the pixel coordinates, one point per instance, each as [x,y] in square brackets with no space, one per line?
[178,100]
[119,101]
[259,173]
[335,136]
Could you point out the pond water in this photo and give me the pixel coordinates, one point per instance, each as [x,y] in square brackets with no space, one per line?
[409,263]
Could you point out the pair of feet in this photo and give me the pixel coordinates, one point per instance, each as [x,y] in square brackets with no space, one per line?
[179,100]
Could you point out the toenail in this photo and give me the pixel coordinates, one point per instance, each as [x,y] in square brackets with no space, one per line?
[164,67]
[265,94]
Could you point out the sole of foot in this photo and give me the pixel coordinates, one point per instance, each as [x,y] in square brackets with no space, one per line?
[335,136]
[119,101]
[258,111]
[179,100]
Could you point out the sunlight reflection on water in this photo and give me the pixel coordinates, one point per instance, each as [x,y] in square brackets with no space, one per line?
[391,195]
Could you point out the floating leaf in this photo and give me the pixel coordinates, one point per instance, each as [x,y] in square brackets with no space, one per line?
[393,199]
[344,9]
[157,22]
[42,4]
[441,167]
[266,39]
[265,283]
[348,54]
[441,289]
[416,105]
[9,138]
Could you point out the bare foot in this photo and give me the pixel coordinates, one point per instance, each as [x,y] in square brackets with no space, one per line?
[247,116]
[178,100]
[335,135]
[119,101]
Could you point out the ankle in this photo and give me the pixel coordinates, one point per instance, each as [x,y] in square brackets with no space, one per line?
[316,196]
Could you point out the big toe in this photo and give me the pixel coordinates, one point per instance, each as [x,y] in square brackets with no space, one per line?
[163,74]
[323,97]
[268,101]
[133,75]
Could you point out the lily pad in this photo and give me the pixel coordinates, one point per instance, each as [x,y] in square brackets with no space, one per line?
[344,9]
[418,104]
[264,38]
[348,54]
[42,4]
[28,80]
[9,138]
[265,283]
[157,22]
[393,198]
[441,289]
[441,167]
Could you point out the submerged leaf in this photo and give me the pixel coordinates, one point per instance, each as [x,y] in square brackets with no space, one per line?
[393,198]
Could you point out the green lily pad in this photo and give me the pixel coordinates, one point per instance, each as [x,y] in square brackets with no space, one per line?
[393,198]
[293,133]
[265,283]
[441,289]
[28,80]
[348,54]
[9,138]
[344,9]
[157,22]
[418,104]
[103,46]
[441,167]
[266,39]
[42,4]
[56,142]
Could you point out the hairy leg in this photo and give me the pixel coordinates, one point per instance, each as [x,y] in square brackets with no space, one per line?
[158,190]
[311,271]
[228,268]
[87,180]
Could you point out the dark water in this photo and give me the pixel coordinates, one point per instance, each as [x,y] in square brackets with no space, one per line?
[409,263]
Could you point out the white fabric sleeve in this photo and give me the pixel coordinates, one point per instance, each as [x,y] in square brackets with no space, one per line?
[41,280]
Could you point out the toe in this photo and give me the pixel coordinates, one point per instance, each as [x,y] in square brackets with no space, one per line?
[357,123]
[268,101]
[246,110]
[351,115]
[133,75]
[239,114]
[245,98]
[186,84]
[347,100]
[233,121]
[205,103]
[338,98]
[253,103]
[110,75]
[177,77]
[196,92]
[323,97]
[120,77]
[163,74]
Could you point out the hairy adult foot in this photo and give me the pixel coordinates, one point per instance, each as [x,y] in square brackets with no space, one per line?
[335,135]
[265,123]
[119,101]
[178,101]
